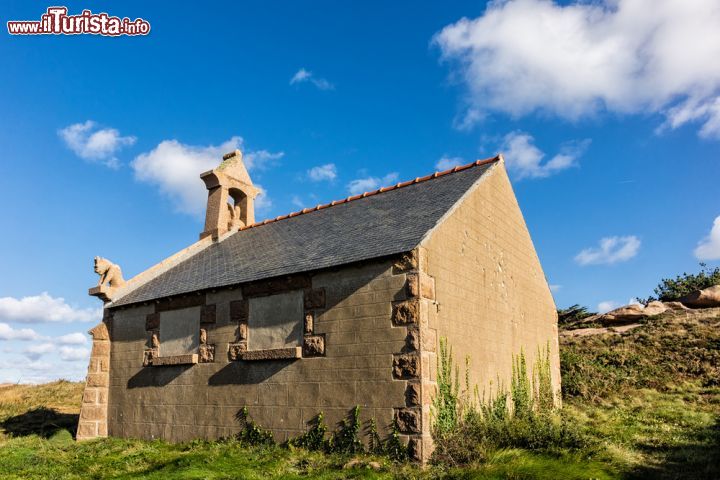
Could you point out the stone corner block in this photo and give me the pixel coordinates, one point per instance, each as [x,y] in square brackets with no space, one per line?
[420,285]
[86,431]
[207,354]
[406,366]
[100,332]
[408,420]
[413,395]
[97,380]
[406,262]
[406,313]
[420,449]
[235,351]
[314,346]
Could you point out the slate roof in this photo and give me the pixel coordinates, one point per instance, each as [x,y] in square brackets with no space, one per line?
[387,221]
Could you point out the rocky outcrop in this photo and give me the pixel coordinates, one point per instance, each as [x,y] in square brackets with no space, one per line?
[705,298]
[629,314]
[675,306]
[655,308]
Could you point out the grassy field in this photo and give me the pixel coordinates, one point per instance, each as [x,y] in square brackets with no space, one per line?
[649,400]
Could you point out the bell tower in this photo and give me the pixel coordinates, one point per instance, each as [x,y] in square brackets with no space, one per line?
[231,196]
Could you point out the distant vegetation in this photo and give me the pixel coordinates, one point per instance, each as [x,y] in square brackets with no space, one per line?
[672,289]
[573,314]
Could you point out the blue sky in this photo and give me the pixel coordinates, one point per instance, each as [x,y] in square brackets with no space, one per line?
[608,116]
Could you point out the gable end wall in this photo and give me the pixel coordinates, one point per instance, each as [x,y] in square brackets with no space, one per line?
[492,296]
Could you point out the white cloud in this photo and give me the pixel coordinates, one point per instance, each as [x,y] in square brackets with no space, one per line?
[66,352]
[555,288]
[303,76]
[468,119]
[635,301]
[40,366]
[525,159]
[176,169]
[367,184]
[297,201]
[709,247]
[323,172]
[574,60]
[446,163]
[44,309]
[263,202]
[606,306]
[300,76]
[260,159]
[76,338]
[70,354]
[34,352]
[9,333]
[610,250]
[95,144]
[17,370]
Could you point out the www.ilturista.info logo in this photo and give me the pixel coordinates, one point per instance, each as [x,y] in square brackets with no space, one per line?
[57,22]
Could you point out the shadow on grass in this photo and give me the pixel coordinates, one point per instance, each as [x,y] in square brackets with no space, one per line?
[44,422]
[698,459]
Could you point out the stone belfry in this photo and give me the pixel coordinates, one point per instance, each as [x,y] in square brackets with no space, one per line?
[231,196]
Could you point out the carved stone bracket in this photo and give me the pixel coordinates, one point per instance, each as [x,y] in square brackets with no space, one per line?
[110,281]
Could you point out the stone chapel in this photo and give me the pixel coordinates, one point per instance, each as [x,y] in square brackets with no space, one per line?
[320,310]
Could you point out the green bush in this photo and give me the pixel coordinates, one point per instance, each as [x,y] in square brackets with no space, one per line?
[526,417]
[251,433]
[347,438]
[445,405]
[672,289]
[573,314]
[314,438]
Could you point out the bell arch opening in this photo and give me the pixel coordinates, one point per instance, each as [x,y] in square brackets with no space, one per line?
[237,208]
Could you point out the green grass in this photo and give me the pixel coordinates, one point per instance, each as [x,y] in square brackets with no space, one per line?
[649,401]
[61,457]
[646,433]
[651,397]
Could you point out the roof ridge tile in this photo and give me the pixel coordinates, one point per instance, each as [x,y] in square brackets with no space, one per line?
[457,168]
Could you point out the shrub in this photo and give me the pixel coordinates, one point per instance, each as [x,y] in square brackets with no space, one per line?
[525,417]
[573,314]
[445,405]
[393,446]
[314,438]
[346,439]
[672,289]
[251,433]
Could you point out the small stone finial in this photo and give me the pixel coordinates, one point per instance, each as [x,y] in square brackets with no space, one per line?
[232,154]
[110,279]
